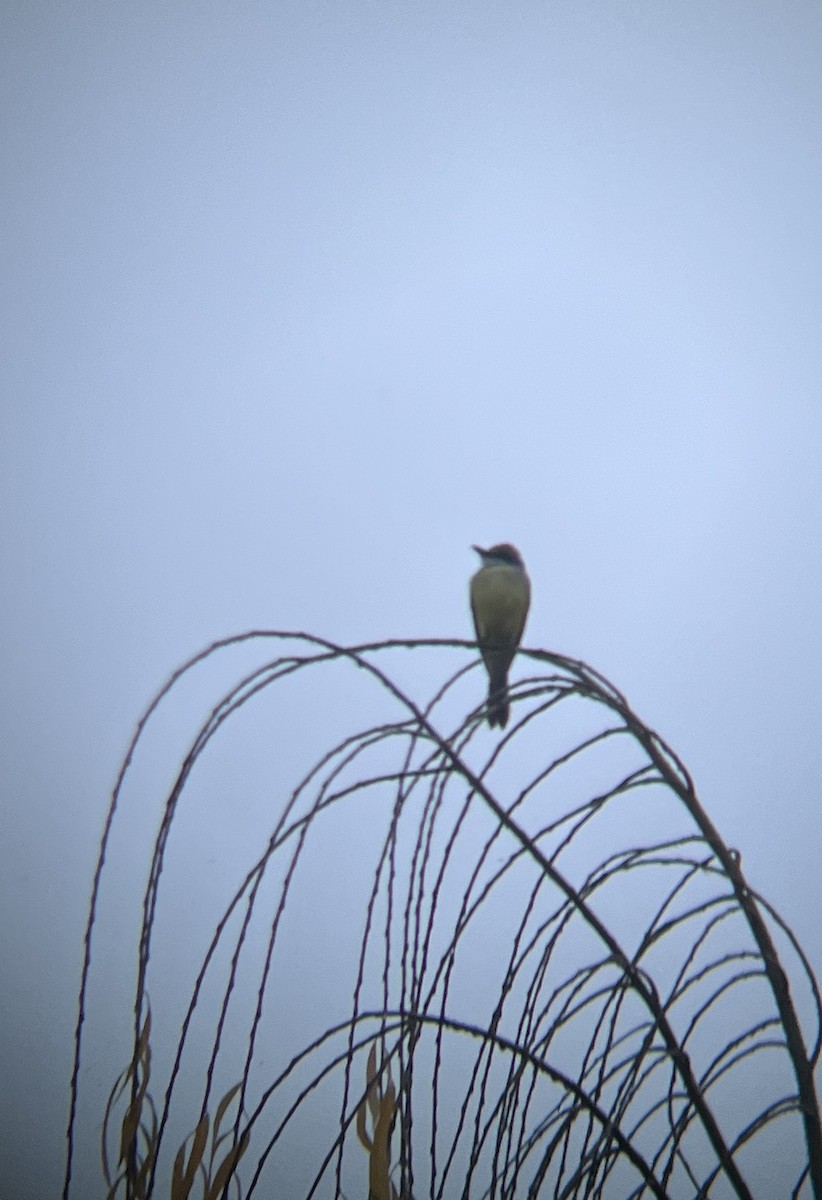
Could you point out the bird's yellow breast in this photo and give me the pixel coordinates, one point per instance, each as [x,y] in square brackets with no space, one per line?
[500,596]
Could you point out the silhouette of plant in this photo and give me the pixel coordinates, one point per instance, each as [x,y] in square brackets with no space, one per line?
[560,982]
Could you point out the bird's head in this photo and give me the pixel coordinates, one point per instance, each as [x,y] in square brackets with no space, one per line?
[504,554]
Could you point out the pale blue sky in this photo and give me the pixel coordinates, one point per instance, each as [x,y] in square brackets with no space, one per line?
[302,299]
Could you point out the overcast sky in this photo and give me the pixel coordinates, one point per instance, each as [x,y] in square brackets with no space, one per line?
[302,299]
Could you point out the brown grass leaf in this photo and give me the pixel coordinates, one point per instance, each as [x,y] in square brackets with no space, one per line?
[226,1168]
[380,1186]
[183,1178]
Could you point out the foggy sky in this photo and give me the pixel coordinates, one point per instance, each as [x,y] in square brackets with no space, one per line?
[303,299]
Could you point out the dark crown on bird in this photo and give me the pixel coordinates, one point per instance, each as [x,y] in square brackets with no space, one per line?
[504,552]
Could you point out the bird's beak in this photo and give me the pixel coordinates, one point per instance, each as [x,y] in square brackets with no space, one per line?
[482,553]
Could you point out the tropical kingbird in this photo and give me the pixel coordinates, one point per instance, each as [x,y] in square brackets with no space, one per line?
[500,596]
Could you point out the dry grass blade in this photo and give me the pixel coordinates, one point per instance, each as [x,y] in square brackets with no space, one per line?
[217,1185]
[183,1173]
[139,1073]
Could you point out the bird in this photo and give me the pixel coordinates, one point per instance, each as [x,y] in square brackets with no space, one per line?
[500,597]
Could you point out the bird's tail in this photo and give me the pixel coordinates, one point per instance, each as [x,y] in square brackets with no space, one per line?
[498,704]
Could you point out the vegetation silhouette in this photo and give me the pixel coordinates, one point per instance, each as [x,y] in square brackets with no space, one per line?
[562,983]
